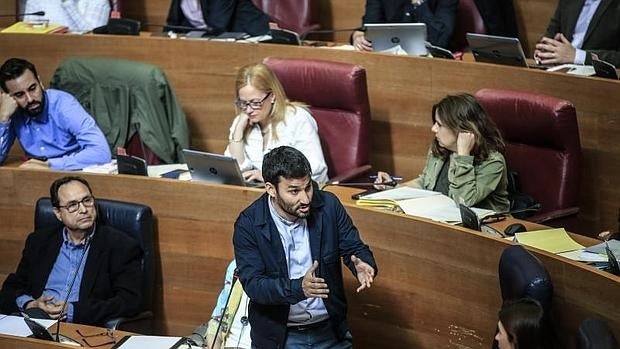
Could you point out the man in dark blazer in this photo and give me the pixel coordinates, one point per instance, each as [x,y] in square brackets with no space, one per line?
[438,15]
[103,264]
[288,247]
[573,36]
[499,17]
[220,16]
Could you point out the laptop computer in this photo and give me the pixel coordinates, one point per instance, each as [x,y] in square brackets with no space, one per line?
[496,49]
[410,36]
[215,168]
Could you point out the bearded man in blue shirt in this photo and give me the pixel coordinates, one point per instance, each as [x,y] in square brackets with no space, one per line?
[52,127]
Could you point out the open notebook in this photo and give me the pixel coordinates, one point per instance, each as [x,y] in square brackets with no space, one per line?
[420,203]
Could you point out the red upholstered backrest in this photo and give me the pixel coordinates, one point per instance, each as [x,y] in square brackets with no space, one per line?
[468,20]
[338,99]
[295,15]
[542,144]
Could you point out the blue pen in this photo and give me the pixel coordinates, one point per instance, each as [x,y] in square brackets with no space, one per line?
[394,178]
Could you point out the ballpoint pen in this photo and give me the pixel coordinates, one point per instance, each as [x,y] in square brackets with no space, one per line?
[394,178]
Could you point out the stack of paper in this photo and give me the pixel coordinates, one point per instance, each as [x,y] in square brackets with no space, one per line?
[550,240]
[35,28]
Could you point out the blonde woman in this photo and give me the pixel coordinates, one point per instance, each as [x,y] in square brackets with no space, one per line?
[265,120]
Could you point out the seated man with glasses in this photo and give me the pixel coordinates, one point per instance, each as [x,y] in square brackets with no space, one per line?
[265,120]
[94,268]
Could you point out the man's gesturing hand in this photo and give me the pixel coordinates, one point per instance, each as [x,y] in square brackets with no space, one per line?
[313,286]
[365,273]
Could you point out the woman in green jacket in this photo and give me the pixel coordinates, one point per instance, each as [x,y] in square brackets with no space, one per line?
[465,160]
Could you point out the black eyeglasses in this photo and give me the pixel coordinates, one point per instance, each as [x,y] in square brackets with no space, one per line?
[98,339]
[255,104]
[73,206]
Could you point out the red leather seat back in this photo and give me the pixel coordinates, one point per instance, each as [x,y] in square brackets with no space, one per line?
[295,15]
[338,98]
[542,144]
[468,20]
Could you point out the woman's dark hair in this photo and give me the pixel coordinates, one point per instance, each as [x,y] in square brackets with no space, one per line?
[525,323]
[463,113]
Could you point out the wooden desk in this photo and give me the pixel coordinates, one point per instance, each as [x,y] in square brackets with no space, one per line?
[66,329]
[402,91]
[437,285]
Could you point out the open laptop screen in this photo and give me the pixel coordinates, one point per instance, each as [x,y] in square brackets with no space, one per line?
[496,49]
[214,168]
[410,36]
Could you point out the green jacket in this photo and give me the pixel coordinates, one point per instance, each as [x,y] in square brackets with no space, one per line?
[483,185]
[126,97]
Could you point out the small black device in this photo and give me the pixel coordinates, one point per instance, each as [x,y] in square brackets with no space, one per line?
[438,52]
[469,218]
[119,26]
[283,36]
[604,69]
[38,331]
[132,165]
[174,174]
[514,228]
[364,193]
[613,266]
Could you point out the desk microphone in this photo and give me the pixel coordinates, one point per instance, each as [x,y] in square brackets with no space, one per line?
[38,13]
[496,216]
[64,304]
[219,325]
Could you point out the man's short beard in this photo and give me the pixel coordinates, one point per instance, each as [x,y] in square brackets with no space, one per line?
[37,111]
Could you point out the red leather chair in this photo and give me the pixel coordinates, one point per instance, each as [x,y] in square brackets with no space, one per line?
[296,15]
[542,145]
[468,20]
[338,98]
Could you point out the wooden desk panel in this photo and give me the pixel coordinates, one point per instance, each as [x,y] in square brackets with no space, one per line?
[437,284]
[401,90]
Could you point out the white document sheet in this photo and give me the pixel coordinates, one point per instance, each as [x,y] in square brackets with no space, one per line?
[438,208]
[15,325]
[150,342]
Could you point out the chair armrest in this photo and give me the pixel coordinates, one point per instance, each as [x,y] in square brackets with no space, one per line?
[351,174]
[115,323]
[553,215]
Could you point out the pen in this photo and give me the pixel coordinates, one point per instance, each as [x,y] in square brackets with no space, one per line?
[394,178]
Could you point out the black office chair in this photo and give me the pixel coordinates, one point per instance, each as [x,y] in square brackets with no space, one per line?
[521,275]
[595,334]
[135,220]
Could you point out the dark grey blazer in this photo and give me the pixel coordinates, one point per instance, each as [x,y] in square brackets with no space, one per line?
[603,35]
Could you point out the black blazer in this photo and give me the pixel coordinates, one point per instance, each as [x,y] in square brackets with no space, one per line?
[499,17]
[603,34]
[111,283]
[438,15]
[263,270]
[224,16]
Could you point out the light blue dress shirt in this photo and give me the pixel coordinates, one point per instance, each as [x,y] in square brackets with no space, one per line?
[296,243]
[64,133]
[581,27]
[64,269]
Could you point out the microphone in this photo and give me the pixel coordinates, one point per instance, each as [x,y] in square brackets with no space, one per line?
[497,216]
[303,36]
[219,325]
[64,304]
[37,13]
